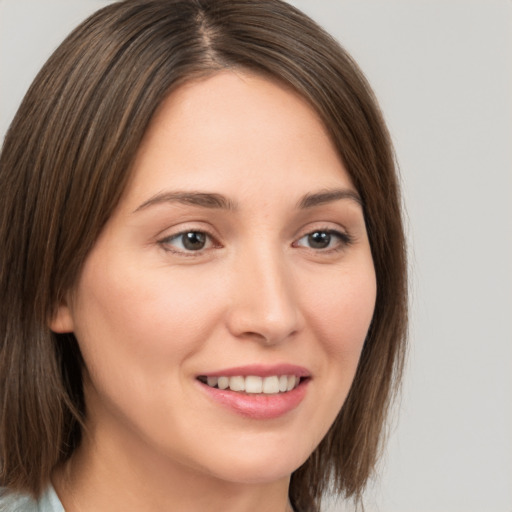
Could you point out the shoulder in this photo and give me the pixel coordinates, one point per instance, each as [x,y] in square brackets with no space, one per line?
[11,502]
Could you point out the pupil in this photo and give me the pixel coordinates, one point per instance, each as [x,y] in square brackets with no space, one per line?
[319,240]
[194,240]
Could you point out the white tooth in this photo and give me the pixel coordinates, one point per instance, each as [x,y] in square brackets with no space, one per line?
[237,384]
[283,383]
[291,382]
[271,385]
[212,381]
[223,382]
[253,384]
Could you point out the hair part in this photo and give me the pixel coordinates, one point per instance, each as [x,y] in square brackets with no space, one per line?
[64,166]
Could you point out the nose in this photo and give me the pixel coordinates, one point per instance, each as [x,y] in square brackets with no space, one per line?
[264,303]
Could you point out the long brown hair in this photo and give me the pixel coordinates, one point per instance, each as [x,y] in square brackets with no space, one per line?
[65,163]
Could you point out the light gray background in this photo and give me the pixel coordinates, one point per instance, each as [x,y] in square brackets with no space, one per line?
[442,70]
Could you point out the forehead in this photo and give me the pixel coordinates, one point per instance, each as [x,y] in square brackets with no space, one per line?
[235,132]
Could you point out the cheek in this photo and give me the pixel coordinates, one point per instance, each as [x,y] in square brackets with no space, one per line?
[341,319]
[138,332]
[342,312]
[132,301]
[134,326]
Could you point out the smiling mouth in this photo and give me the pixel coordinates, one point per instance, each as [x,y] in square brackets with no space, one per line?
[253,384]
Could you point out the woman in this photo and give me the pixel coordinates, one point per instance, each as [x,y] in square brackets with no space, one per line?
[203,278]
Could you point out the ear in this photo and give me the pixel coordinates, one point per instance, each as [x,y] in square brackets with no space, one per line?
[62,319]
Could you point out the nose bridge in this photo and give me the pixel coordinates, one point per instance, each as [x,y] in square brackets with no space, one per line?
[264,304]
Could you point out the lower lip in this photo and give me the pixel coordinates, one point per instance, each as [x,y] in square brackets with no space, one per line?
[258,406]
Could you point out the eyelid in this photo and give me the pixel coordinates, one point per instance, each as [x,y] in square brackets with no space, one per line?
[164,241]
[346,239]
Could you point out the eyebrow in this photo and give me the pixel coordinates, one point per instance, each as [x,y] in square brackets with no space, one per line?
[218,201]
[328,196]
[202,199]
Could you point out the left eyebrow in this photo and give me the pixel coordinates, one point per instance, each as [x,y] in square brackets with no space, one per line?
[328,196]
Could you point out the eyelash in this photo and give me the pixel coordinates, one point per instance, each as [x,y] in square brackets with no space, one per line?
[165,243]
[344,240]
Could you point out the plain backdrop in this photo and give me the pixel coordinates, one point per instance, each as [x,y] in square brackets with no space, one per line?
[442,70]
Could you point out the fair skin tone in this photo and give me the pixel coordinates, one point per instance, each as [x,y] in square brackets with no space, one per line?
[239,241]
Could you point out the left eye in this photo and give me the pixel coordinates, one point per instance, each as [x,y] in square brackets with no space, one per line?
[188,241]
[323,239]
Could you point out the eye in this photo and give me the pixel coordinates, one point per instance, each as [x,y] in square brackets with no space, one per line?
[324,239]
[187,241]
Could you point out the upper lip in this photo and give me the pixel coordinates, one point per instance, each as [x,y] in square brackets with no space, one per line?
[260,370]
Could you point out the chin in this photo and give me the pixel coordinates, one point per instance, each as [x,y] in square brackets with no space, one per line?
[253,474]
[258,466]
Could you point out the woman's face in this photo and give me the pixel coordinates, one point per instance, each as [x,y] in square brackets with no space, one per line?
[237,257]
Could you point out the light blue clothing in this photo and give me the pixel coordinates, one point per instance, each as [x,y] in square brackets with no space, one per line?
[49,502]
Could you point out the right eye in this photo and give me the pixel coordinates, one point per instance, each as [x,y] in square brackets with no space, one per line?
[187,242]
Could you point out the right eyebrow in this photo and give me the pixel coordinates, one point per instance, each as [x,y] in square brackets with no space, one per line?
[202,199]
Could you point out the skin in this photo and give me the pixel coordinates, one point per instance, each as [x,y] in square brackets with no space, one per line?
[150,315]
